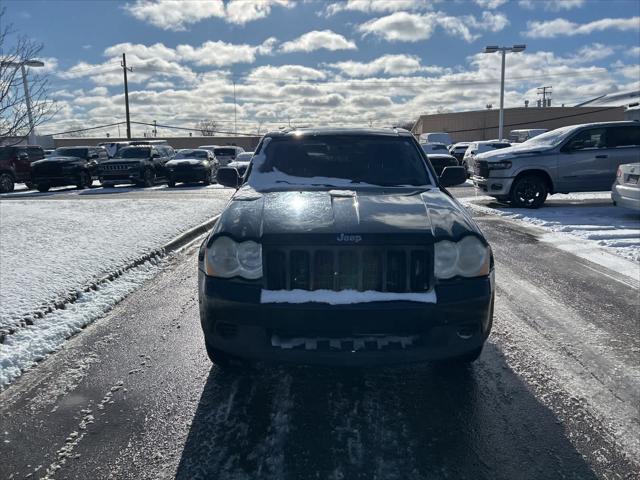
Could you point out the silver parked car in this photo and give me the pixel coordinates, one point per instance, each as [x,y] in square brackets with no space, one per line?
[577,158]
[626,189]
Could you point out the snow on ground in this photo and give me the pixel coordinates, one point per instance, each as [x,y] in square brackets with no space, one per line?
[584,217]
[51,249]
[32,343]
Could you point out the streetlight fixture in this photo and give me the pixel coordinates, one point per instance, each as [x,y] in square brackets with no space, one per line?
[503,51]
[27,63]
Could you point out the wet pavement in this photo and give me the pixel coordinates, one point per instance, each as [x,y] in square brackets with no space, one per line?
[554,394]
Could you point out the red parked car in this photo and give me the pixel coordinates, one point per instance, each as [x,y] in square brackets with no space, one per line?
[15,165]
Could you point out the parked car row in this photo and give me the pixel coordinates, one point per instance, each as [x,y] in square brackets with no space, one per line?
[142,163]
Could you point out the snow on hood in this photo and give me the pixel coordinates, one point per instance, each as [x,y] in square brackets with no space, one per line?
[185,161]
[515,150]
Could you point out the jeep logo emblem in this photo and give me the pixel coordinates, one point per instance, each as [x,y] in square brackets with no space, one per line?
[349,238]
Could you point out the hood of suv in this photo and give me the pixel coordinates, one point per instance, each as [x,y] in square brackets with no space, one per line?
[345,216]
[513,151]
[125,161]
[59,161]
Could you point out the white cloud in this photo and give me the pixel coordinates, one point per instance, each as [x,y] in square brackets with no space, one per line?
[633,52]
[177,14]
[412,27]
[244,11]
[560,26]
[387,64]
[221,53]
[285,73]
[401,26]
[318,39]
[490,3]
[376,6]
[551,5]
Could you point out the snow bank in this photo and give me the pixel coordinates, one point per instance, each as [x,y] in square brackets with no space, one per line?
[342,297]
[582,216]
[53,248]
[32,343]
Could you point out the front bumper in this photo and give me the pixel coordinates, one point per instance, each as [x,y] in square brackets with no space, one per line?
[56,181]
[496,187]
[377,333]
[121,177]
[626,196]
[194,175]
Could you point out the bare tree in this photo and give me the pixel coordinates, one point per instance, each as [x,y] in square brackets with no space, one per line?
[208,128]
[14,52]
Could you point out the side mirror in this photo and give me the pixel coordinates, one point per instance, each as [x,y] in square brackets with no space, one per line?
[228,177]
[451,176]
[155,155]
[23,156]
[94,156]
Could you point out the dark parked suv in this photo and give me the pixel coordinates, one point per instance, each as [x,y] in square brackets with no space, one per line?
[68,166]
[344,247]
[141,165]
[15,165]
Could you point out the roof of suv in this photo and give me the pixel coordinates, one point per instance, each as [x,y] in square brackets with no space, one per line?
[340,131]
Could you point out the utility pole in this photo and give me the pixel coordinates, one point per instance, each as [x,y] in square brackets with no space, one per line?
[543,91]
[155,128]
[126,93]
[503,51]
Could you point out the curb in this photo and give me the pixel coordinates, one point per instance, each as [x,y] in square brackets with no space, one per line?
[156,254]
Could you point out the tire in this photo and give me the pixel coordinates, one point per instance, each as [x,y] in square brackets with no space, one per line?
[107,184]
[171,183]
[148,178]
[84,181]
[528,191]
[7,183]
[30,185]
[208,179]
[222,359]
[43,187]
[465,359]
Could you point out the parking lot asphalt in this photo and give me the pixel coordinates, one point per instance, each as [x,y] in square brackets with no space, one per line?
[554,394]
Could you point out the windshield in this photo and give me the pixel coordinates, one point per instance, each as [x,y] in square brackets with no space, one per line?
[134,152]
[225,151]
[192,154]
[552,138]
[70,152]
[345,160]
[244,157]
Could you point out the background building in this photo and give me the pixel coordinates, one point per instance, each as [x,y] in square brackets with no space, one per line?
[483,124]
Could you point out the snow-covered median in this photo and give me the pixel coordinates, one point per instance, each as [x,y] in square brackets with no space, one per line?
[52,249]
[585,217]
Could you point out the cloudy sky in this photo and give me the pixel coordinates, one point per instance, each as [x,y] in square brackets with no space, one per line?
[311,62]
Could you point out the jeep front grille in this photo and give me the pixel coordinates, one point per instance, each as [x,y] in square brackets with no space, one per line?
[385,269]
[115,167]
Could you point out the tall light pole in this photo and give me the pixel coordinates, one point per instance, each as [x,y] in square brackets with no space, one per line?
[503,51]
[27,97]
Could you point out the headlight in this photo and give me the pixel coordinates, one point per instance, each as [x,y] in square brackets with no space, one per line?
[467,258]
[502,165]
[226,258]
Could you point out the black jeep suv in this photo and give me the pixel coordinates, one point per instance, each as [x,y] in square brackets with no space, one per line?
[343,247]
[68,166]
[141,165]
